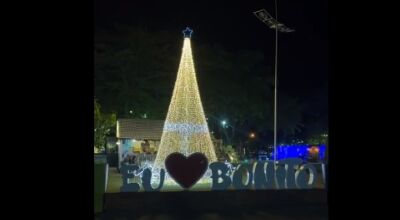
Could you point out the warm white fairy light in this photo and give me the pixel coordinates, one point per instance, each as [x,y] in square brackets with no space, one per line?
[185,128]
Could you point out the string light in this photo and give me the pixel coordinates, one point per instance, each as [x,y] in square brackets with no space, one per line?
[231,168]
[185,128]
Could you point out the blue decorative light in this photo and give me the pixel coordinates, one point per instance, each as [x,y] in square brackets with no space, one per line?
[298,151]
[187,32]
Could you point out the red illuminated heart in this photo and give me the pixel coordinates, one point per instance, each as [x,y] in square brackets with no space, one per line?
[186,171]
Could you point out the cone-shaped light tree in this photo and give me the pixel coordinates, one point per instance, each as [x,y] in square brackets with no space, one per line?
[185,128]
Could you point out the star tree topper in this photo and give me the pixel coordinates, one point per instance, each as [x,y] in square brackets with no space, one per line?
[187,32]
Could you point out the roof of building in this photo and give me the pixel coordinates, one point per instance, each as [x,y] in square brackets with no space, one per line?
[140,129]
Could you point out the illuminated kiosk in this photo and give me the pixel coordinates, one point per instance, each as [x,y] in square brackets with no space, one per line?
[185,128]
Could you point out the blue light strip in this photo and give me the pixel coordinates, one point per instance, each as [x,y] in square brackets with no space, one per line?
[297,151]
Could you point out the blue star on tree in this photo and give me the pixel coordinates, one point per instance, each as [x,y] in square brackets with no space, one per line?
[187,32]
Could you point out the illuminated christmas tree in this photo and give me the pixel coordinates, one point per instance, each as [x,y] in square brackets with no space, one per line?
[185,129]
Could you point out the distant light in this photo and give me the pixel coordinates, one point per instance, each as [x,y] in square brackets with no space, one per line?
[314,149]
[252,135]
[131,111]
[223,123]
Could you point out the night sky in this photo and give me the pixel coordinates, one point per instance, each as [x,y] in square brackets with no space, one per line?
[303,54]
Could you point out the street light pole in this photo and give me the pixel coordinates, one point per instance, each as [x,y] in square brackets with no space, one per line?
[276,83]
[273,23]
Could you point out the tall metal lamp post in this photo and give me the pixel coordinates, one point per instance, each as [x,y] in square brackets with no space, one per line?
[273,23]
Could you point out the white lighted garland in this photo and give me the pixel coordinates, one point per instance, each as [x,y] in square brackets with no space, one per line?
[185,128]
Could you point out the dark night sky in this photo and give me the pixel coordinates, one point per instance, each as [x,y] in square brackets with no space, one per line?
[303,54]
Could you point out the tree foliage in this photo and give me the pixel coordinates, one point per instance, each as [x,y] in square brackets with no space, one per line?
[104,124]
